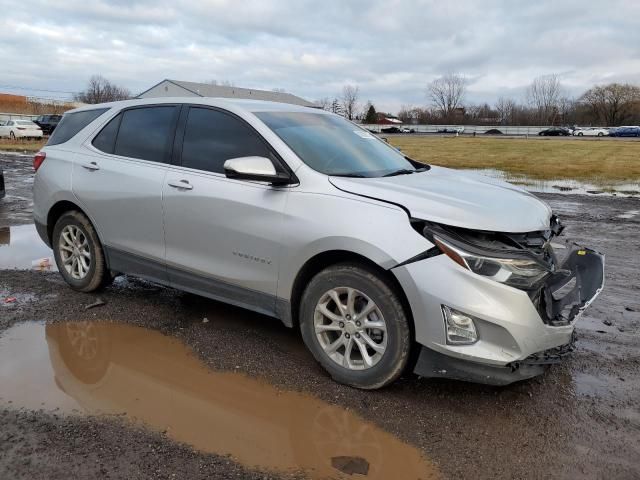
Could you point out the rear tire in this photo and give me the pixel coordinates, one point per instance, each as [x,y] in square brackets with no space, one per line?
[12,136]
[370,318]
[78,253]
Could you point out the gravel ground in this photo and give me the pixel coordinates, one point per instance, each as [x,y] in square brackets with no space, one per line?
[580,419]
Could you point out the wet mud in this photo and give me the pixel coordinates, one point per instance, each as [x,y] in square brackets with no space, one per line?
[117,369]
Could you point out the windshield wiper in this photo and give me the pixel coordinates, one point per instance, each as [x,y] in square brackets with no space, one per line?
[404,171]
[349,175]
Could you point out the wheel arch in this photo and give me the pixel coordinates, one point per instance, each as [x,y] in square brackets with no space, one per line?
[320,261]
[60,208]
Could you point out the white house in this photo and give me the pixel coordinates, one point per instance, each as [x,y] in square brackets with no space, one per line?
[178,88]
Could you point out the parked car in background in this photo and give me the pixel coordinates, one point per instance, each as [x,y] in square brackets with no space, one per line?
[591,132]
[451,130]
[625,132]
[382,262]
[20,129]
[493,131]
[48,123]
[407,130]
[555,132]
[391,130]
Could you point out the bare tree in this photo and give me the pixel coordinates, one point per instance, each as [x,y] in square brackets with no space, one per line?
[350,95]
[543,96]
[101,90]
[446,94]
[506,108]
[613,103]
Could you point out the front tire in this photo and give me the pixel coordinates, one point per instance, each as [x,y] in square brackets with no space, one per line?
[78,253]
[355,326]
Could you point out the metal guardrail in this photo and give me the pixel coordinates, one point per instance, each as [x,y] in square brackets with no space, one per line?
[16,116]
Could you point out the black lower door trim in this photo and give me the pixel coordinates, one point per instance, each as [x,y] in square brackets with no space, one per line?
[124,262]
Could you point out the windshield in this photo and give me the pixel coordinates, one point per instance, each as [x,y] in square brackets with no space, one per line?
[335,146]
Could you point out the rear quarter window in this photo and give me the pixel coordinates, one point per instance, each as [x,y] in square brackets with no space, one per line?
[72,123]
[147,133]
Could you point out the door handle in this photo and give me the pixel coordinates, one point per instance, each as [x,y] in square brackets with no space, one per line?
[91,166]
[181,184]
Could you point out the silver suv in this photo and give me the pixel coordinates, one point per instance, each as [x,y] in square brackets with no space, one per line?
[382,262]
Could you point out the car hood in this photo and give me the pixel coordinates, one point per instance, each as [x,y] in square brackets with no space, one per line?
[456,198]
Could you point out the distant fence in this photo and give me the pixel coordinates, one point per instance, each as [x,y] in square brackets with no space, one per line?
[467,129]
[16,116]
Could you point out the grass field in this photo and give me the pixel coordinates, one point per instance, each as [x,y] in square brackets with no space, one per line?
[588,161]
[7,145]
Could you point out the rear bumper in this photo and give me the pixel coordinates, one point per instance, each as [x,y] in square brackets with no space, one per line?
[43,232]
[515,329]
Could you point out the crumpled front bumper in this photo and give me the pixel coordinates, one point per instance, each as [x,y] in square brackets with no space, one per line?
[520,333]
[572,287]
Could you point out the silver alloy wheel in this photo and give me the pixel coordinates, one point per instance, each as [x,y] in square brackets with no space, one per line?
[75,254]
[350,328]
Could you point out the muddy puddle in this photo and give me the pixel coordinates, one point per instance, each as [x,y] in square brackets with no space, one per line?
[21,248]
[575,187]
[107,368]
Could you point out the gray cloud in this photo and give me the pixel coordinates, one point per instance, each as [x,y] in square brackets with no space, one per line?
[390,48]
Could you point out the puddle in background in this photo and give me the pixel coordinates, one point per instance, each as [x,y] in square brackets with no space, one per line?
[99,367]
[562,186]
[22,248]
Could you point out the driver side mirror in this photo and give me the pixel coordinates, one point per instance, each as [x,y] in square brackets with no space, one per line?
[258,169]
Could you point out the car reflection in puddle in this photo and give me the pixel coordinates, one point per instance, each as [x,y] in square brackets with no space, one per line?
[108,368]
[21,248]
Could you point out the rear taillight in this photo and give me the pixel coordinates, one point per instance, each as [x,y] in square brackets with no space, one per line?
[38,159]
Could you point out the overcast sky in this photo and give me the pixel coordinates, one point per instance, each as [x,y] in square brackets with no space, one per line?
[391,49]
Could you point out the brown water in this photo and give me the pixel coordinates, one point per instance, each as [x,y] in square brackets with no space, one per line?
[107,368]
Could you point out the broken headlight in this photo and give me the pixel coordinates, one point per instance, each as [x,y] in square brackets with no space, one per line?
[520,273]
[520,260]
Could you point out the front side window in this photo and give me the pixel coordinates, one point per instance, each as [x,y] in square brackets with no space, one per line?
[334,146]
[72,123]
[146,133]
[212,137]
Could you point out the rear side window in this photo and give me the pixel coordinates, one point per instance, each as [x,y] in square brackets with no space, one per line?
[146,133]
[212,137]
[106,139]
[72,123]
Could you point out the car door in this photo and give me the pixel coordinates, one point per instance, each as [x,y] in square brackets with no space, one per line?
[222,235]
[118,177]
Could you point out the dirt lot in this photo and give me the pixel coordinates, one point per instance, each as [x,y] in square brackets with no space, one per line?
[260,404]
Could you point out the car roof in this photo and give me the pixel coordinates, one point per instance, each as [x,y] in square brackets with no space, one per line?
[226,103]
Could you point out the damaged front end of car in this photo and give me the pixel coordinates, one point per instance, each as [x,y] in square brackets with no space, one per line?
[561,281]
